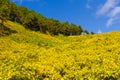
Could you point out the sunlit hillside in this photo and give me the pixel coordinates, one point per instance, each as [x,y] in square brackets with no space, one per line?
[29,55]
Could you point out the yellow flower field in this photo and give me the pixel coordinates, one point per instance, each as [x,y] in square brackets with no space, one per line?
[28,55]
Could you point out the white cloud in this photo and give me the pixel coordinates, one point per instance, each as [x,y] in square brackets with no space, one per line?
[113,20]
[114,12]
[111,10]
[110,22]
[110,4]
[113,16]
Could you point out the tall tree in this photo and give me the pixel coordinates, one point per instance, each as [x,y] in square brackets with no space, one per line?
[4,10]
[14,12]
[41,22]
[81,30]
[4,13]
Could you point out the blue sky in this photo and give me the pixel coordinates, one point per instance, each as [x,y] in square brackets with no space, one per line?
[92,15]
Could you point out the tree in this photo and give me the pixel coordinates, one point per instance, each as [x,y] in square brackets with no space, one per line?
[40,22]
[65,28]
[86,31]
[92,33]
[14,12]
[80,30]
[4,10]
[4,13]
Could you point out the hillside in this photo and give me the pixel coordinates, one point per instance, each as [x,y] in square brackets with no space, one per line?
[29,55]
[35,21]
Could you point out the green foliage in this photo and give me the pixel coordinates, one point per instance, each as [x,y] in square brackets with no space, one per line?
[86,31]
[92,33]
[4,10]
[36,22]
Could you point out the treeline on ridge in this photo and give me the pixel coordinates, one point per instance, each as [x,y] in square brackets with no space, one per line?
[35,21]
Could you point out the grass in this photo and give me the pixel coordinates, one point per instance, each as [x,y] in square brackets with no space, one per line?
[29,55]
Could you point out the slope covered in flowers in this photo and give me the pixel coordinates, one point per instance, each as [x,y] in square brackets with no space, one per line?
[28,55]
